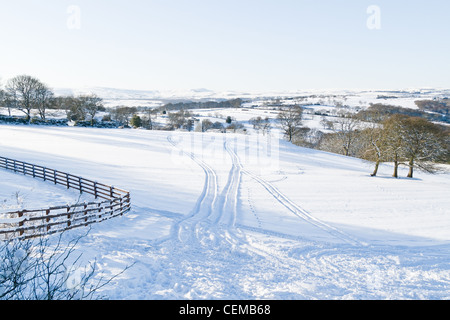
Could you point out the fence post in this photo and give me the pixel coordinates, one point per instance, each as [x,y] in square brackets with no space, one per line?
[20,213]
[111,191]
[14,163]
[68,217]
[24,170]
[99,210]
[44,173]
[67,180]
[54,175]
[79,183]
[95,189]
[47,212]
[85,213]
[34,171]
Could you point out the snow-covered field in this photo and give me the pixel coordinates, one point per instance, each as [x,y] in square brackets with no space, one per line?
[362,98]
[230,216]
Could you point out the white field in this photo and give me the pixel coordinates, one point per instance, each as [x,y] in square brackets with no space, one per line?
[228,216]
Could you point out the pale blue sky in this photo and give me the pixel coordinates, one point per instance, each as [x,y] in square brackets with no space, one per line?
[240,45]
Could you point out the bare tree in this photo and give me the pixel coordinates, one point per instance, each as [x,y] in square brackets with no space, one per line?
[91,104]
[206,125]
[394,140]
[374,136]
[260,124]
[307,137]
[76,112]
[147,119]
[375,147]
[43,99]
[8,102]
[291,121]
[63,103]
[123,114]
[23,90]
[3,100]
[326,124]
[179,119]
[345,128]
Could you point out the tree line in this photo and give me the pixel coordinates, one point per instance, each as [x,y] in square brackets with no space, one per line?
[233,103]
[29,95]
[26,94]
[376,136]
[431,110]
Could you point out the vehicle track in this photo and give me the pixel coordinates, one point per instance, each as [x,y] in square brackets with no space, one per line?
[291,206]
[211,224]
[228,211]
[210,238]
[188,226]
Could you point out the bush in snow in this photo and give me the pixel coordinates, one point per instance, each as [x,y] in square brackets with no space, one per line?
[47,268]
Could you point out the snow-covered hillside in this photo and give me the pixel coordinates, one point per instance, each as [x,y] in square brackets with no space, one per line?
[352,98]
[229,216]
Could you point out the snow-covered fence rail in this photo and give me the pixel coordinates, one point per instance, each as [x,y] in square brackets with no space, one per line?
[32,223]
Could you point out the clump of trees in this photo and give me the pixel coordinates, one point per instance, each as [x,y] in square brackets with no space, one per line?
[260,124]
[208,125]
[346,133]
[181,120]
[233,103]
[439,110]
[375,135]
[34,99]
[28,94]
[414,142]
[83,108]
[123,114]
[437,106]
[403,140]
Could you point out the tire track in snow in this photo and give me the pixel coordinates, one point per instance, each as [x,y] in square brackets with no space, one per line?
[213,218]
[212,222]
[188,227]
[294,208]
[226,213]
[209,239]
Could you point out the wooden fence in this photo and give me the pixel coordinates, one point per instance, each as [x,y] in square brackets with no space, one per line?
[111,202]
